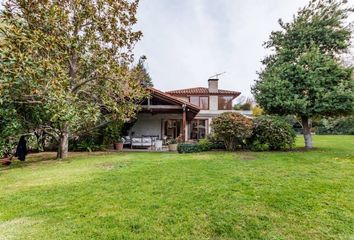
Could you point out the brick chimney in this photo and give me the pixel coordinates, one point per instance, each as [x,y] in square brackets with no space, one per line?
[213,84]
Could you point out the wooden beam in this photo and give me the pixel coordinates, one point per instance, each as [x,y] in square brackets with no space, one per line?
[184,122]
[161,107]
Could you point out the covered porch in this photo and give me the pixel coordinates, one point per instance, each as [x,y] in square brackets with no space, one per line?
[162,117]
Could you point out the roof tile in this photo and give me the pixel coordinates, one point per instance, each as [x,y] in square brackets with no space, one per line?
[202,91]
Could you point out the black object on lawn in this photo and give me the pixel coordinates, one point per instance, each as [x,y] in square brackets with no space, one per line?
[21,150]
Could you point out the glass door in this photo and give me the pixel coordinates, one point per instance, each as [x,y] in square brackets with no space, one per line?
[198,129]
[172,128]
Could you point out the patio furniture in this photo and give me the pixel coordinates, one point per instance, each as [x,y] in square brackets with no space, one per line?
[158,145]
[144,141]
[127,141]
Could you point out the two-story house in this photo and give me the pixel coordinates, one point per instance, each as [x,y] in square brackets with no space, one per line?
[185,112]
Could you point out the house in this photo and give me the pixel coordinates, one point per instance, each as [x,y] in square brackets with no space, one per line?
[185,112]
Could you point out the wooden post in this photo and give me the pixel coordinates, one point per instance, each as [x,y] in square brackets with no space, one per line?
[184,121]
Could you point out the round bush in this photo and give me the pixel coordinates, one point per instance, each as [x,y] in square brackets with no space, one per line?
[232,128]
[272,133]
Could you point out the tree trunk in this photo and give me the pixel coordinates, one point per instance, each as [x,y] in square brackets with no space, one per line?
[307,132]
[63,143]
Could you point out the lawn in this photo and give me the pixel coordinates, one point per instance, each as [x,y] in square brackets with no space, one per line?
[213,195]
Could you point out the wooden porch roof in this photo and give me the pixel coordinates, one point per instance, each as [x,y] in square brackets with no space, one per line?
[176,105]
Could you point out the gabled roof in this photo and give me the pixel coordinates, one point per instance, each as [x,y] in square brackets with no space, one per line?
[173,99]
[202,91]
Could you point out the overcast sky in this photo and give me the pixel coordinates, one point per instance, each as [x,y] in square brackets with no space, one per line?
[187,41]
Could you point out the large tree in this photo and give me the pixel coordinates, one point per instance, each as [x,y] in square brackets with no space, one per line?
[71,59]
[304,75]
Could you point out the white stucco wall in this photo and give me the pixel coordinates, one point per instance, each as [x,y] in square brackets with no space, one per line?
[186,99]
[149,124]
[213,103]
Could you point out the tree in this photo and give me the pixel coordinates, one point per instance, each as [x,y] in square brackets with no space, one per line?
[70,59]
[256,111]
[141,74]
[304,76]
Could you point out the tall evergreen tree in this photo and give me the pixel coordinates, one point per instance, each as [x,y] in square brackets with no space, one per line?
[304,76]
[141,74]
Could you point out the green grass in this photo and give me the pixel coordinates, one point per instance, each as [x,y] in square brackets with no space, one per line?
[214,195]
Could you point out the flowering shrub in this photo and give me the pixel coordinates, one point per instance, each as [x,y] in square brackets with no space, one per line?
[233,129]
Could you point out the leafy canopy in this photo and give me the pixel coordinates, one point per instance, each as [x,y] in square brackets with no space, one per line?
[71,58]
[304,75]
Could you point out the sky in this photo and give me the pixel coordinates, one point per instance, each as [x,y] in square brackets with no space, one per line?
[188,41]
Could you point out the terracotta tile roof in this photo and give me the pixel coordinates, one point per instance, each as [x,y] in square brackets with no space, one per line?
[174,99]
[201,91]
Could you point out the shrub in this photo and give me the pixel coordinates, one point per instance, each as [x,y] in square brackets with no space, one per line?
[112,132]
[257,111]
[83,144]
[237,107]
[204,144]
[188,148]
[215,142]
[233,129]
[256,146]
[246,106]
[337,126]
[271,133]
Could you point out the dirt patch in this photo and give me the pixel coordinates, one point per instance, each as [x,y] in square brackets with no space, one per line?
[106,166]
[15,228]
[246,156]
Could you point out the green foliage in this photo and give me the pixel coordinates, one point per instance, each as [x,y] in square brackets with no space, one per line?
[315,84]
[112,132]
[10,127]
[304,76]
[173,141]
[271,133]
[141,74]
[216,142]
[342,125]
[205,144]
[71,60]
[232,128]
[246,106]
[237,106]
[202,146]
[256,146]
[85,144]
[188,148]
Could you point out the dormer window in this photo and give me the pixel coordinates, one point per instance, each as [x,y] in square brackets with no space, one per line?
[201,101]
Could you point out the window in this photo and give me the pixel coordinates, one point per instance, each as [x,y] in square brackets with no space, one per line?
[194,100]
[198,129]
[225,102]
[202,102]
